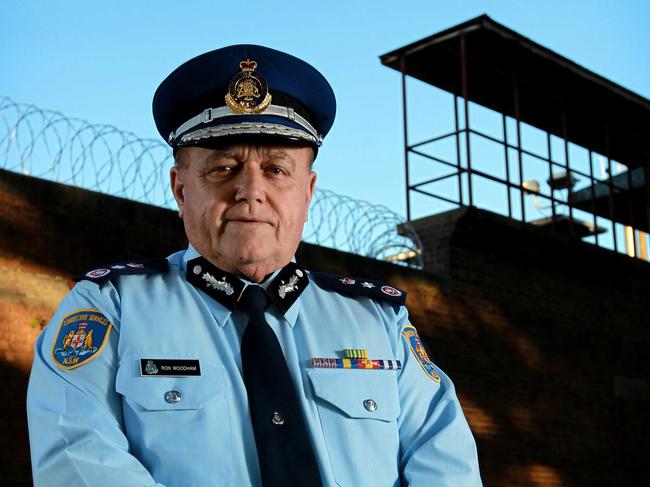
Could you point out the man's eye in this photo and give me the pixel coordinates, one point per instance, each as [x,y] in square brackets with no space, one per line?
[276,170]
[220,170]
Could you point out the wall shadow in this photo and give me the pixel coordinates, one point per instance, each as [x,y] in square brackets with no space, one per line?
[15,467]
[537,334]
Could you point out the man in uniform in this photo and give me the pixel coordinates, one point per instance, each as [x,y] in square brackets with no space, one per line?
[227,364]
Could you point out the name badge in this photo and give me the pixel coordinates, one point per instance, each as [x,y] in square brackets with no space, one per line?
[169,367]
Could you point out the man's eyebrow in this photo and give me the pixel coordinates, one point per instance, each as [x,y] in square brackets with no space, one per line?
[280,154]
[219,154]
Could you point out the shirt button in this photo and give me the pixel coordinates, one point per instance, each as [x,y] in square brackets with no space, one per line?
[370,405]
[172,397]
[277,419]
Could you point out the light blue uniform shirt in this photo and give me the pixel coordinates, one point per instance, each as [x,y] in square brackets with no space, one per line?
[103,424]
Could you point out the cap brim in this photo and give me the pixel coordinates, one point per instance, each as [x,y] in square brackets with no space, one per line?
[254,126]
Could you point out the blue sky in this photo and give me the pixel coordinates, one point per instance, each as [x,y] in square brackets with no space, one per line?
[102,61]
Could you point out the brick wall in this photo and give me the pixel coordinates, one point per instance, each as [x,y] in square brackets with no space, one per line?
[48,234]
[545,340]
[557,327]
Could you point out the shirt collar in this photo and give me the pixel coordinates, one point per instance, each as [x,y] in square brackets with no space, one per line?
[285,286]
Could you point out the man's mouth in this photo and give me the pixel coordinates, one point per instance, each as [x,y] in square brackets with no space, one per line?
[246,221]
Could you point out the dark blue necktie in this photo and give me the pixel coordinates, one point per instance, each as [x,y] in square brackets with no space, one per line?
[285,453]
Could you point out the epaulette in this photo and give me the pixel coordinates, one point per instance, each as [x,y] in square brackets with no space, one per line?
[360,286]
[102,274]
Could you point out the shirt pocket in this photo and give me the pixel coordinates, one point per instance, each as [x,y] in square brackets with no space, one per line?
[176,423]
[358,411]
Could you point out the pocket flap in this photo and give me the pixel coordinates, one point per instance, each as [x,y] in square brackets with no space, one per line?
[151,392]
[370,394]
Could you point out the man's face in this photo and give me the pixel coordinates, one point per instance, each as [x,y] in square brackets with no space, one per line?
[244,206]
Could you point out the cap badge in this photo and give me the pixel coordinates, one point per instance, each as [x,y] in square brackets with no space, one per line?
[248,91]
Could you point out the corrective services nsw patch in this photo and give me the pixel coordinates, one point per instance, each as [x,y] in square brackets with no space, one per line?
[81,337]
[410,334]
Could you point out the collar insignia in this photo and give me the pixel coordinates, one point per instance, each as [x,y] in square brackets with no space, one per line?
[290,286]
[226,288]
[221,285]
[248,91]
[287,286]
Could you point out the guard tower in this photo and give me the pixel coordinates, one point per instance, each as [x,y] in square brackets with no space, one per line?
[532,135]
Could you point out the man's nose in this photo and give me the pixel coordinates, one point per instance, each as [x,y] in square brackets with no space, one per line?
[249,185]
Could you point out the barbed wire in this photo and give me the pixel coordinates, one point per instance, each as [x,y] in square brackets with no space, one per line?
[47,144]
[362,228]
[50,145]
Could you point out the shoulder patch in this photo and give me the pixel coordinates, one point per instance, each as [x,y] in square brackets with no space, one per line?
[105,273]
[81,337]
[360,286]
[411,336]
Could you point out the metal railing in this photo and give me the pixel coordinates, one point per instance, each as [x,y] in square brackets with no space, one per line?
[504,165]
[49,145]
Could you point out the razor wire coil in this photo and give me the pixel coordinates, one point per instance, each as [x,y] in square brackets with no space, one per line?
[50,145]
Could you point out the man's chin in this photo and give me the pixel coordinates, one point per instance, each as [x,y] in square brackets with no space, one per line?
[245,253]
[257,265]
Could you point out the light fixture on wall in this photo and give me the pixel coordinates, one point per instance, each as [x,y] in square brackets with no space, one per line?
[561,180]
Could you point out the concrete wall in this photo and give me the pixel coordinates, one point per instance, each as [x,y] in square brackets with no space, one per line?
[546,340]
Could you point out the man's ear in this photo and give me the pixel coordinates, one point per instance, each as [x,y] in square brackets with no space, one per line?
[312,185]
[177,185]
